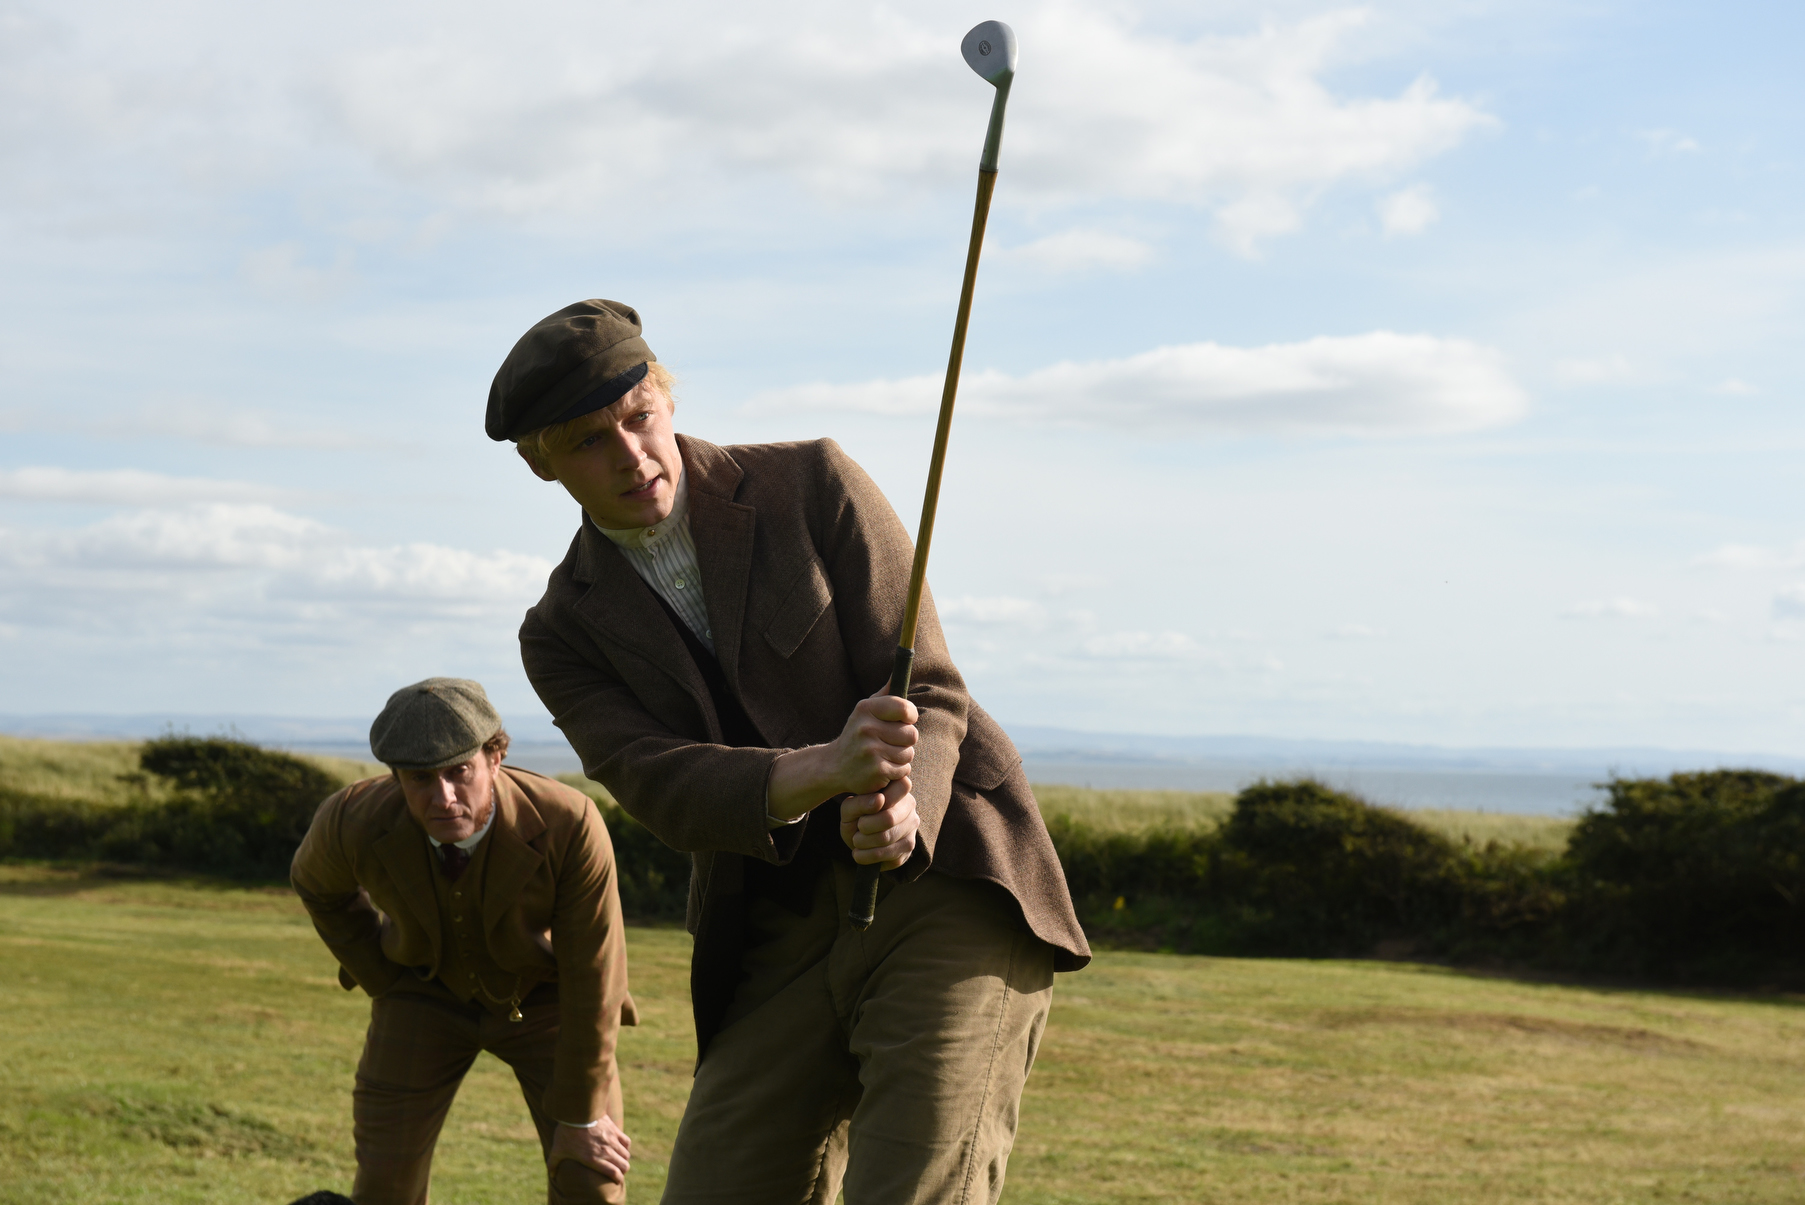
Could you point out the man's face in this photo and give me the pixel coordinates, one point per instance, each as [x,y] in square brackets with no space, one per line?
[623,468]
[453,803]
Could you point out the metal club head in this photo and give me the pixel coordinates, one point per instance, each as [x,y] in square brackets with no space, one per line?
[990,49]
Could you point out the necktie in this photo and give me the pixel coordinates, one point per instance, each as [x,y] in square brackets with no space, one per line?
[452,861]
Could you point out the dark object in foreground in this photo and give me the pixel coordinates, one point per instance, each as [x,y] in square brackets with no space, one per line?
[323,1197]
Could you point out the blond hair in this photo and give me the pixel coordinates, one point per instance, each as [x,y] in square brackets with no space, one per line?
[539,445]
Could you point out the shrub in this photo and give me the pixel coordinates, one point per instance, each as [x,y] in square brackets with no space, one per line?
[1699,875]
[653,877]
[241,810]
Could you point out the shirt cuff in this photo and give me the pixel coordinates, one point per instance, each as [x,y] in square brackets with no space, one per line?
[772,822]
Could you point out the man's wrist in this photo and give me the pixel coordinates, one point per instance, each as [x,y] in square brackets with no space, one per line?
[582,1125]
[798,782]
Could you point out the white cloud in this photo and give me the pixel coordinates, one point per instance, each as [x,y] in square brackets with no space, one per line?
[196,421]
[282,272]
[1735,387]
[250,566]
[1145,646]
[1595,370]
[989,611]
[525,119]
[1378,383]
[1669,142]
[125,487]
[1751,556]
[1074,251]
[1611,608]
[1408,211]
[1789,603]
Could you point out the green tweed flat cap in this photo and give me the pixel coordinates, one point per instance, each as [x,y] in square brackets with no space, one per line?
[582,358]
[433,724]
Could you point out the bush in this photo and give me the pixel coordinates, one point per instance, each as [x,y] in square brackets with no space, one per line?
[653,877]
[1310,870]
[237,810]
[1698,876]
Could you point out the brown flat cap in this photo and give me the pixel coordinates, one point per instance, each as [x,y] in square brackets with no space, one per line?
[433,724]
[582,358]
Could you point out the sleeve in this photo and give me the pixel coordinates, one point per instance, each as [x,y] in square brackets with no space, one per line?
[590,946]
[694,796]
[869,557]
[351,927]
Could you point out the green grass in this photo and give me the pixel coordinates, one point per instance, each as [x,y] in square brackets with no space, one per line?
[184,1041]
[1537,832]
[1135,811]
[106,772]
[103,772]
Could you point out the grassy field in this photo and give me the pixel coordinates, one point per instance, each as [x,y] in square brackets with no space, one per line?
[1131,811]
[106,772]
[181,1041]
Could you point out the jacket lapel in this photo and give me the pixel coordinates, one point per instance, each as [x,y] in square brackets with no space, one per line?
[723,531]
[408,859]
[512,861]
[620,605]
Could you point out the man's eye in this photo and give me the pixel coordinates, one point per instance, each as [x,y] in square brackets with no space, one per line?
[588,442]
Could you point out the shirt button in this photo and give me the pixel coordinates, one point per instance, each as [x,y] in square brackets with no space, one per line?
[679,583]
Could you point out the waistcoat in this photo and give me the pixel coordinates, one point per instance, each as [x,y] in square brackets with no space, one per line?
[465,966]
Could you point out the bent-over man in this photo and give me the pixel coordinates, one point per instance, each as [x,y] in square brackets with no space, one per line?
[709,647]
[477,905]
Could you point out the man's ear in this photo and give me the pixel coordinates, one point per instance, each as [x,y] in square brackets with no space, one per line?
[539,470]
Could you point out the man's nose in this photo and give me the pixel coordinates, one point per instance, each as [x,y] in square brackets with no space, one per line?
[632,450]
[446,796]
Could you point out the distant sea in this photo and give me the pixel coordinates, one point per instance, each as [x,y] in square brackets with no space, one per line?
[1548,781]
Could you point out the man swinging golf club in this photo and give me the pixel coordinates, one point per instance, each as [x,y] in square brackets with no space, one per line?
[710,646]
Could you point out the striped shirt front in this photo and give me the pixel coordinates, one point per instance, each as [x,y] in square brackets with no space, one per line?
[664,554]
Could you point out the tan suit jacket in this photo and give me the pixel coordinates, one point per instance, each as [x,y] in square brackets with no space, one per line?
[551,911]
[805,568]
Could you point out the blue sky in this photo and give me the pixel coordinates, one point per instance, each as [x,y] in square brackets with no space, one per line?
[1418,372]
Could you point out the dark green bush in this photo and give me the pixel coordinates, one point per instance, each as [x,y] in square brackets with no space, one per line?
[1312,870]
[237,810]
[1699,875]
[653,877]
[241,810]
[32,826]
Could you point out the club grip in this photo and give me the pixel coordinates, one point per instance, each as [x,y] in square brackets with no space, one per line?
[863,909]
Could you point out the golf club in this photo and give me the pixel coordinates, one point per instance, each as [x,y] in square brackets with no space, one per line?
[990,51]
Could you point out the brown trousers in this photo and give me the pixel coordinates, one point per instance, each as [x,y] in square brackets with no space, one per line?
[890,1061]
[420,1044]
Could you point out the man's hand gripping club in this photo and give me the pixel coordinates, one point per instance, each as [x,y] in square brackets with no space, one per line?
[869,761]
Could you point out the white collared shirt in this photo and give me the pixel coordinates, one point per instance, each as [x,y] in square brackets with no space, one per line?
[664,554]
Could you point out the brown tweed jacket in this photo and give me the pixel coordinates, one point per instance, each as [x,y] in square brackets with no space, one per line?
[551,911]
[804,568]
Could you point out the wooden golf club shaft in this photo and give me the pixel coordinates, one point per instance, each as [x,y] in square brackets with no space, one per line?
[864,887]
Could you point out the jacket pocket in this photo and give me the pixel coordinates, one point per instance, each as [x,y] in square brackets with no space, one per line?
[801,608]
